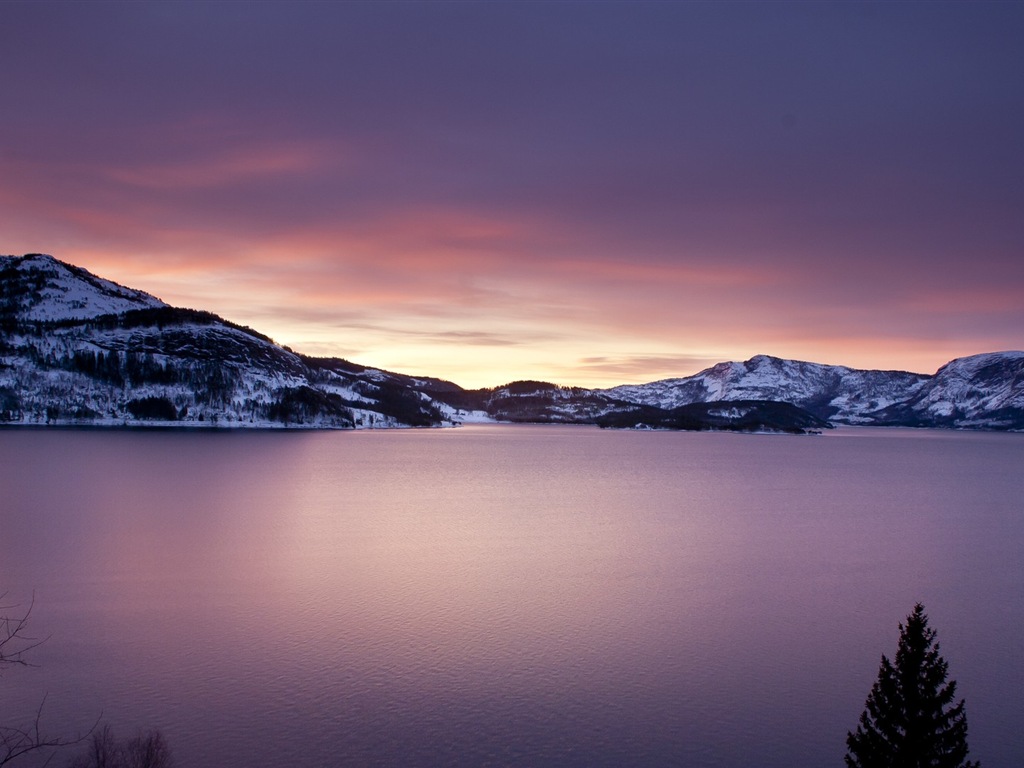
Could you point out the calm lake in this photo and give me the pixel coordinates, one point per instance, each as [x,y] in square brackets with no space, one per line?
[507,595]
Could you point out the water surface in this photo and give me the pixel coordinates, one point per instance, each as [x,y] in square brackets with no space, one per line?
[508,595]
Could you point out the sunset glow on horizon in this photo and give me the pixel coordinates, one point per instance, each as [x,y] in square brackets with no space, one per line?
[586,193]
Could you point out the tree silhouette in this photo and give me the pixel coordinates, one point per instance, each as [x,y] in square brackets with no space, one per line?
[147,750]
[21,739]
[908,720]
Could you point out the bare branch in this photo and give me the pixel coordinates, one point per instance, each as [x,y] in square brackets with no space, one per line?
[16,741]
[14,641]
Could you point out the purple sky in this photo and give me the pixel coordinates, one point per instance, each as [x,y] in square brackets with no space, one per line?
[587,193]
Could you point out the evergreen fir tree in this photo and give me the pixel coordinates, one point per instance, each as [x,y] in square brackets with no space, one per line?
[908,721]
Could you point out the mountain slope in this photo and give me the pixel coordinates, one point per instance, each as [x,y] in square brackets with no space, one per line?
[978,392]
[77,349]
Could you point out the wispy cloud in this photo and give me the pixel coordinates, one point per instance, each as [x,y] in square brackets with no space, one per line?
[629,367]
[226,168]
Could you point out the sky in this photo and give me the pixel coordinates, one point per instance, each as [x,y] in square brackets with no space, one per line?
[588,193]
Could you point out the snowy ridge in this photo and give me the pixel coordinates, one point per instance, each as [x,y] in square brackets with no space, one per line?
[833,392]
[980,391]
[985,390]
[51,290]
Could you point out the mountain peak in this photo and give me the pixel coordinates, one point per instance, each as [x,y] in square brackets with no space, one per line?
[30,259]
[38,287]
[764,360]
[970,365]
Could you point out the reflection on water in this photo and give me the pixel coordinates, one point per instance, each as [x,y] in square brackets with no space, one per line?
[509,595]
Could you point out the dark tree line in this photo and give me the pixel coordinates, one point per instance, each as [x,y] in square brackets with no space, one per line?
[105,750]
[152,317]
[139,368]
[301,405]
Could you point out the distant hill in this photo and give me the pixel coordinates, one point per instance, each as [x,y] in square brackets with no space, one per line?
[979,392]
[77,349]
[725,415]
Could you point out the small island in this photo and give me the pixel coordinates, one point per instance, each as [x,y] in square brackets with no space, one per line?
[760,416]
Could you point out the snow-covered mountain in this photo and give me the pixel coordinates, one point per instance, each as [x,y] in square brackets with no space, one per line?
[833,392]
[78,349]
[983,391]
[978,392]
